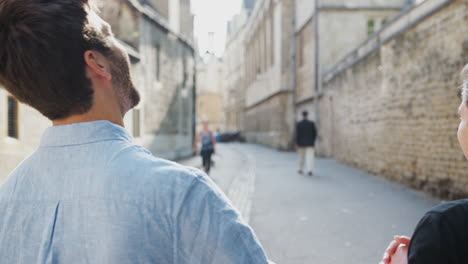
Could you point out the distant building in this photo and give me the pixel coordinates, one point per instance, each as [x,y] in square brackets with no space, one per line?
[287,46]
[175,12]
[269,112]
[330,31]
[234,69]
[210,92]
[163,69]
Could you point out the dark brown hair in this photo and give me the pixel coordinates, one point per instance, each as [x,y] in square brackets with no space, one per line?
[42,46]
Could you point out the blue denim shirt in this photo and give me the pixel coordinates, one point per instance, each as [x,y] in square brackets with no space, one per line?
[89,195]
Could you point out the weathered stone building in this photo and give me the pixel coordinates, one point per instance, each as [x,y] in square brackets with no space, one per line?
[235,71]
[385,75]
[176,13]
[327,32]
[288,46]
[269,95]
[390,106]
[163,67]
[210,92]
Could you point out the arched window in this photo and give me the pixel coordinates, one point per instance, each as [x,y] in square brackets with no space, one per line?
[370,27]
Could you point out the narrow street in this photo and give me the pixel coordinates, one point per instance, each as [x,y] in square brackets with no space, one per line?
[374,83]
[340,215]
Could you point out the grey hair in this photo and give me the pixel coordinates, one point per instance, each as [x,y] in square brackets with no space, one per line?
[464,76]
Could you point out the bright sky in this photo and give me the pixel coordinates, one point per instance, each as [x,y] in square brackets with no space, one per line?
[212,16]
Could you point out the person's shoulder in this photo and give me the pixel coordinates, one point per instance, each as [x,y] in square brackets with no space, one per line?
[148,173]
[448,215]
[10,183]
[139,159]
[441,228]
[453,213]
[450,207]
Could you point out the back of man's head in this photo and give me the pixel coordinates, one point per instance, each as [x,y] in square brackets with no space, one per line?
[42,54]
[305,114]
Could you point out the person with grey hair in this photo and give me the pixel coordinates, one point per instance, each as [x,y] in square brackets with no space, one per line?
[441,235]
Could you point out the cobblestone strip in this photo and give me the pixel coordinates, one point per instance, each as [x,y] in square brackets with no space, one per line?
[243,187]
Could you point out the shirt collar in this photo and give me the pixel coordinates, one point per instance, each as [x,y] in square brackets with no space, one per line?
[83,133]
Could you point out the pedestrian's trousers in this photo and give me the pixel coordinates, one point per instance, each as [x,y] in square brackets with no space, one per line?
[306,155]
[206,158]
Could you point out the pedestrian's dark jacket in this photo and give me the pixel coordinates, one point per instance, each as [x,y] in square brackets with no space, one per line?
[306,133]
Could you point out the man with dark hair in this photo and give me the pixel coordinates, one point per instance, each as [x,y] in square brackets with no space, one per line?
[306,134]
[88,194]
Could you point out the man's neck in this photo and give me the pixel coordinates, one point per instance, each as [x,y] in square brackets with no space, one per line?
[88,118]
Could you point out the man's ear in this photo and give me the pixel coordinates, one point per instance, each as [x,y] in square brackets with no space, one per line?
[98,64]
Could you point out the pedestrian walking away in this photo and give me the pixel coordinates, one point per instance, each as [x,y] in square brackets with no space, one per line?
[208,143]
[306,134]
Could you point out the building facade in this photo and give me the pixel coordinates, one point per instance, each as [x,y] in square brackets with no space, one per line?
[327,32]
[269,112]
[163,70]
[210,92]
[235,71]
[381,78]
[274,61]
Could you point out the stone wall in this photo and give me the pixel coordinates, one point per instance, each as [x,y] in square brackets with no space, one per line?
[270,122]
[341,28]
[393,111]
[162,6]
[305,61]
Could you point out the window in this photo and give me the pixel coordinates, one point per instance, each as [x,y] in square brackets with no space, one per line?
[370,27]
[184,70]
[300,49]
[12,117]
[272,40]
[158,62]
[257,54]
[136,123]
[265,45]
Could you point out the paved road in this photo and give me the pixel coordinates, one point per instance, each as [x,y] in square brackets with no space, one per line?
[340,215]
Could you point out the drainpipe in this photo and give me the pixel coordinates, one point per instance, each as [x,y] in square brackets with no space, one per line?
[294,67]
[194,98]
[317,65]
